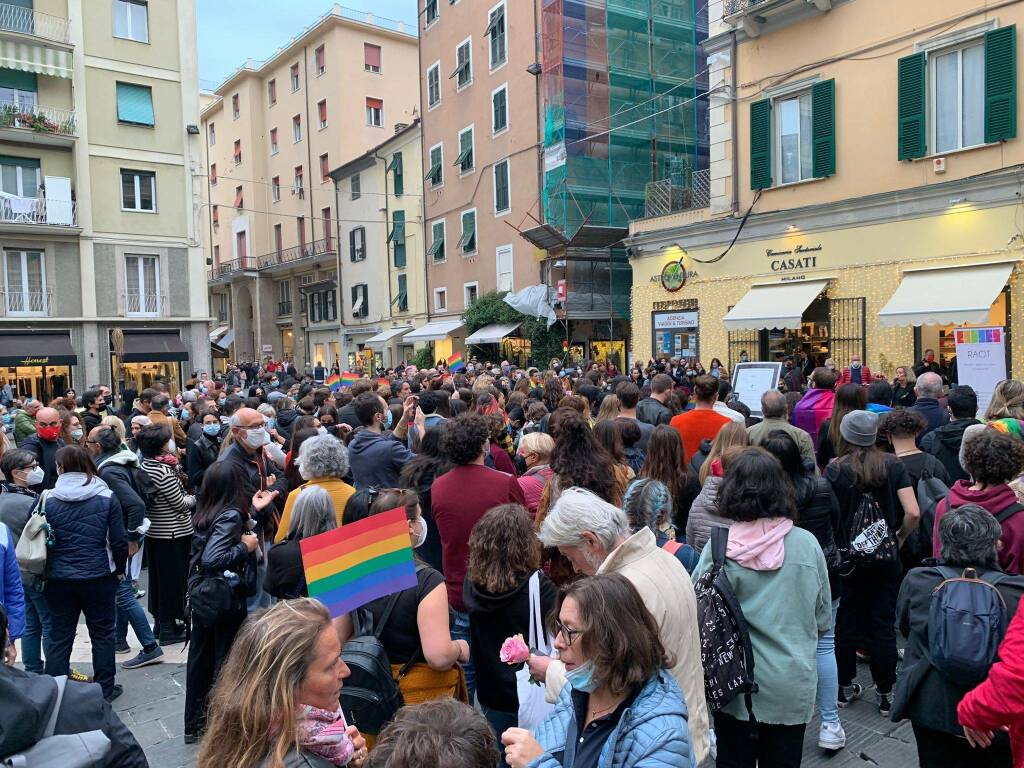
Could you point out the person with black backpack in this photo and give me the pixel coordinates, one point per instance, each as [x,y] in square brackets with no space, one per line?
[878,512]
[954,612]
[770,577]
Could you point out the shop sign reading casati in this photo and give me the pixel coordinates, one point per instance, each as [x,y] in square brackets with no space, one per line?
[798,257]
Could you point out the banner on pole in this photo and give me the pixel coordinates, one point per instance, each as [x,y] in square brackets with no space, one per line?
[981,360]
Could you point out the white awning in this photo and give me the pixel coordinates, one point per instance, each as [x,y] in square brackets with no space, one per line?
[491,334]
[383,338]
[29,57]
[946,296]
[435,331]
[228,339]
[776,305]
[218,332]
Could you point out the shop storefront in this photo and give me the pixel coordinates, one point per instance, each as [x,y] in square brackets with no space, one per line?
[499,341]
[37,364]
[446,336]
[387,344]
[139,358]
[676,334]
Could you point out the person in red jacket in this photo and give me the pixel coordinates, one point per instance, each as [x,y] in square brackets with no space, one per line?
[998,703]
[855,373]
[703,422]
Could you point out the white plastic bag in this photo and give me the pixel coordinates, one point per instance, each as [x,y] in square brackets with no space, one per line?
[532,706]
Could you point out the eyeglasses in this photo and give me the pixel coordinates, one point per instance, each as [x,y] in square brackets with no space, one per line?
[570,635]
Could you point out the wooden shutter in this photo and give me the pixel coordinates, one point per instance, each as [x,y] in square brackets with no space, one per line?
[761,144]
[1001,84]
[823,121]
[911,107]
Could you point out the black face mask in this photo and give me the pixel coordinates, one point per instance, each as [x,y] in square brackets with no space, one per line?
[108,399]
[520,462]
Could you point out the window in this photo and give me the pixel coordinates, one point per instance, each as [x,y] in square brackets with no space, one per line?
[402,300]
[325,168]
[357,244]
[135,104]
[430,11]
[434,85]
[321,60]
[502,199]
[272,92]
[397,236]
[496,33]
[294,75]
[131,20]
[138,191]
[213,174]
[396,168]
[284,297]
[437,240]
[371,57]
[374,112]
[237,151]
[470,291]
[275,189]
[223,314]
[297,129]
[19,89]
[212,131]
[278,238]
[234,107]
[793,142]
[20,176]
[468,240]
[242,248]
[321,111]
[298,183]
[25,281]
[503,262]
[440,299]
[325,217]
[215,215]
[360,300]
[957,90]
[239,197]
[792,136]
[465,159]
[436,173]
[463,74]
[354,187]
[142,278]
[273,141]
[499,109]
[300,231]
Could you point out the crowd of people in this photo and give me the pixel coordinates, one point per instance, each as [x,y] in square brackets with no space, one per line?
[589,510]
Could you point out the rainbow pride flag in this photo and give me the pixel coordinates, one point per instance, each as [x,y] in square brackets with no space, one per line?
[455,363]
[348,379]
[353,565]
[333,381]
[383,381]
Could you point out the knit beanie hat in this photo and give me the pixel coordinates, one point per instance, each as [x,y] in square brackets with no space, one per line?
[859,428]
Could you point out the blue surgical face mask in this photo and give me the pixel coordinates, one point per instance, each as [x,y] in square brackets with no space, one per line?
[271,423]
[211,429]
[389,420]
[582,678]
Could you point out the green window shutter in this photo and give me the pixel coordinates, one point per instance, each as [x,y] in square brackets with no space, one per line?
[396,163]
[1001,84]
[398,237]
[18,80]
[135,104]
[403,294]
[761,144]
[911,108]
[823,130]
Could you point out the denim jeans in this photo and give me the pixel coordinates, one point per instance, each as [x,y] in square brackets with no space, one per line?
[261,599]
[828,674]
[460,631]
[36,640]
[500,722]
[130,611]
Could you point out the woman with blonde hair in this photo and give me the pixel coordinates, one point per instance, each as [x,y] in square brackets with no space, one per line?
[1007,401]
[610,408]
[903,394]
[704,513]
[730,435]
[276,701]
[117,425]
[535,448]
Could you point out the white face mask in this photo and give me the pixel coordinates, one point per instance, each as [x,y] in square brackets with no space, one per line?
[34,476]
[171,446]
[255,437]
[419,532]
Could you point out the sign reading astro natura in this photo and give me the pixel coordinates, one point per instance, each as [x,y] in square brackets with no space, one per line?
[673,276]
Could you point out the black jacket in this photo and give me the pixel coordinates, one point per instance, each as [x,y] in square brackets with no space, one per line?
[286,422]
[222,550]
[255,470]
[285,578]
[922,694]
[115,470]
[697,460]
[944,444]
[935,413]
[492,618]
[903,397]
[45,452]
[818,513]
[347,415]
[200,456]
[651,411]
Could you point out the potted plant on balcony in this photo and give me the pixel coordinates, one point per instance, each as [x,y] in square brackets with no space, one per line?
[8,114]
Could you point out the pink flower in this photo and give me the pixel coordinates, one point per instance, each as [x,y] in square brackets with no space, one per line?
[514,650]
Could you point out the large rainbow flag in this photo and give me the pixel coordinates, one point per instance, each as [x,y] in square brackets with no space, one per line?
[348,379]
[333,381]
[455,363]
[353,565]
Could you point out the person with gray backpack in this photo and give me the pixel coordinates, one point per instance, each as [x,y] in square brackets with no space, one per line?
[954,613]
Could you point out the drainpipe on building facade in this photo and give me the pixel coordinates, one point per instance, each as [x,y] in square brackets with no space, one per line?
[734,122]
[387,228]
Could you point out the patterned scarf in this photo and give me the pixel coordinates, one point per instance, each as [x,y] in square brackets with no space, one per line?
[323,734]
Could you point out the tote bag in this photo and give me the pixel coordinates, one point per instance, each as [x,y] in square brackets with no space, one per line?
[532,706]
[37,536]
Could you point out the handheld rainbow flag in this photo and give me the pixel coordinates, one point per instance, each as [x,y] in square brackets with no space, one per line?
[353,565]
[383,380]
[333,381]
[348,379]
[455,363]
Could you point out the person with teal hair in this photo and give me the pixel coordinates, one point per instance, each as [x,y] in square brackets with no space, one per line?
[648,503]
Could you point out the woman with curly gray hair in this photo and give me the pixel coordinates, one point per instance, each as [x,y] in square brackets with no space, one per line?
[323,462]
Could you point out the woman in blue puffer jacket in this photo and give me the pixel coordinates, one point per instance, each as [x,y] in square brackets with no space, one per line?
[622,708]
[84,565]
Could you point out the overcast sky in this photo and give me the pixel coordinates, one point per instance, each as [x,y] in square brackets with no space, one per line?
[230,31]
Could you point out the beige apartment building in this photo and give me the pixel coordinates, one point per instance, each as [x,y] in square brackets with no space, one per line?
[479,90]
[271,138]
[102,278]
[879,166]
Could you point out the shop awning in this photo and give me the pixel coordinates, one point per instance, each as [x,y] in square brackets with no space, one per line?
[218,352]
[491,334]
[384,338]
[28,57]
[28,349]
[227,341]
[435,331]
[946,296]
[776,305]
[153,348]
[218,332]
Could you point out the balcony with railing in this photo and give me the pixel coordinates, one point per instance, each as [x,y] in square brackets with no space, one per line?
[37,124]
[226,269]
[20,303]
[24,213]
[144,303]
[26,21]
[685,191]
[288,256]
[284,308]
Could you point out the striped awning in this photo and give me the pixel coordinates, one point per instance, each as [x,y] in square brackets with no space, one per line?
[28,57]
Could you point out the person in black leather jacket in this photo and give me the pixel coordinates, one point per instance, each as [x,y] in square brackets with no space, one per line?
[223,545]
[818,513]
[203,452]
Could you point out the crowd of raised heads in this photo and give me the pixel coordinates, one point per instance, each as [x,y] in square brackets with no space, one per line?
[590,545]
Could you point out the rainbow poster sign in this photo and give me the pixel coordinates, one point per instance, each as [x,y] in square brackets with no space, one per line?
[980,360]
[353,565]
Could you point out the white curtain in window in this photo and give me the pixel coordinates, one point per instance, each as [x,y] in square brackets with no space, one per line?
[947,89]
[806,137]
[974,95]
[789,140]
